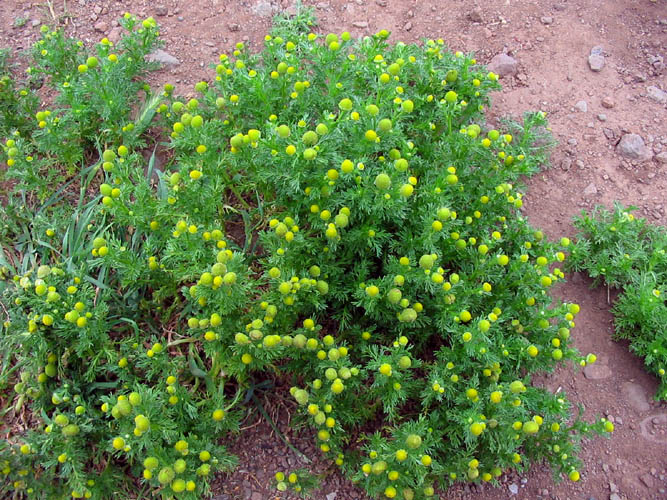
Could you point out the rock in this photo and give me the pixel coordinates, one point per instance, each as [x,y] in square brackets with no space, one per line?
[596,62]
[636,396]
[514,489]
[263,8]
[233,27]
[101,27]
[647,479]
[546,20]
[661,157]
[602,117]
[256,495]
[408,26]
[591,190]
[332,496]
[503,65]
[596,371]
[161,10]
[656,94]
[581,106]
[475,15]
[566,164]
[614,496]
[609,133]
[608,102]
[598,50]
[162,57]
[35,23]
[360,24]
[114,35]
[632,147]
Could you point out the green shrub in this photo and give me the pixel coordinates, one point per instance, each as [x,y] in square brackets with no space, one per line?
[336,213]
[624,252]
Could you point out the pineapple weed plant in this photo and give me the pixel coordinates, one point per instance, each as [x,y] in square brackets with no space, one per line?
[627,253]
[332,214]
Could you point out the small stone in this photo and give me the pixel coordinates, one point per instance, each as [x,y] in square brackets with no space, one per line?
[514,489]
[475,16]
[503,65]
[566,164]
[609,133]
[612,487]
[572,141]
[595,371]
[647,479]
[381,3]
[360,24]
[332,496]
[263,8]
[560,7]
[101,27]
[35,23]
[233,27]
[656,94]
[581,106]
[632,147]
[636,396]
[408,26]
[114,35]
[661,157]
[161,10]
[602,117]
[614,496]
[608,102]
[547,20]
[256,495]
[596,62]
[162,57]
[591,190]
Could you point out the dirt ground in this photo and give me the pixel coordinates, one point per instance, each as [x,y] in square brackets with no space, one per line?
[589,111]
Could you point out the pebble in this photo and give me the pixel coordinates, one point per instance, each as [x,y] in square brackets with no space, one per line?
[608,102]
[609,133]
[591,190]
[647,480]
[408,26]
[656,94]
[614,496]
[595,371]
[360,24]
[596,62]
[35,23]
[632,147]
[475,16]
[602,117]
[161,10]
[163,57]
[503,65]
[514,489]
[101,27]
[256,495]
[636,396]
[233,27]
[566,164]
[581,106]
[661,157]
[547,20]
[332,496]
